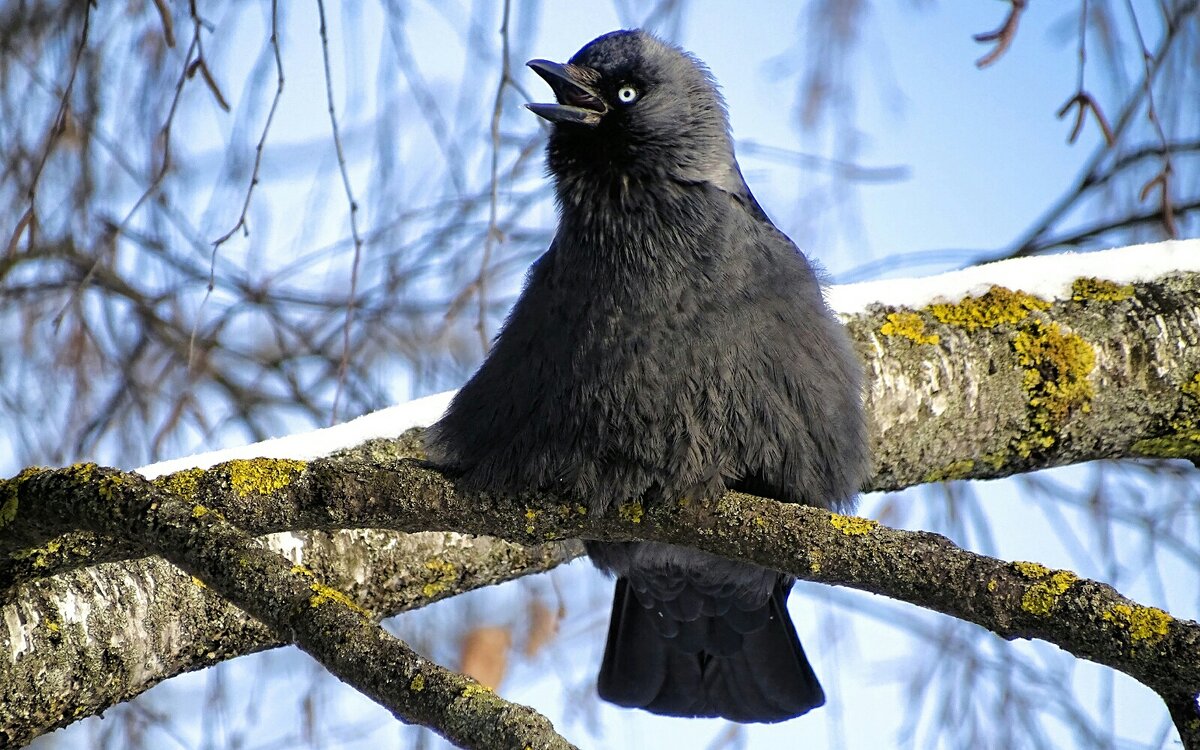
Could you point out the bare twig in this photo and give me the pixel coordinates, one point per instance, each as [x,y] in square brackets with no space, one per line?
[1003,36]
[344,364]
[428,104]
[1162,180]
[1082,99]
[262,140]
[168,24]
[23,223]
[1092,231]
[493,231]
[1093,171]
[56,128]
[1084,103]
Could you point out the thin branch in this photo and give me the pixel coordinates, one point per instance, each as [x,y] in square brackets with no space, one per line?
[28,220]
[168,23]
[1084,103]
[1079,236]
[1162,180]
[1002,36]
[344,363]
[262,140]
[493,230]
[1028,243]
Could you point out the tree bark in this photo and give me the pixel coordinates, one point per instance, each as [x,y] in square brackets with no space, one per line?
[989,386]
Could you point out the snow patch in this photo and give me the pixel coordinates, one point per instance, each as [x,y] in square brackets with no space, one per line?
[1045,276]
[385,423]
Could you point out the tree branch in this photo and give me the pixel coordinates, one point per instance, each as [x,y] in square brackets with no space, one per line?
[987,386]
[294,604]
[1015,600]
[144,620]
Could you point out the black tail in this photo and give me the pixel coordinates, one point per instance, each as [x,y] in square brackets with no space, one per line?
[768,678]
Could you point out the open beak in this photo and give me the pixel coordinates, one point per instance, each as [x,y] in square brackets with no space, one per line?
[578,101]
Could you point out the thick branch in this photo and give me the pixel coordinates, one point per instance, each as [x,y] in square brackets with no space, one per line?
[1017,600]
[297,607]
[988,386]
[121,628]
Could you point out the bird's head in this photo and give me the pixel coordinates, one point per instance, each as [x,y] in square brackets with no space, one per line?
[633,109]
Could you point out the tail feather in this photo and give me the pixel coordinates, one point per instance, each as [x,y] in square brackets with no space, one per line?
[694,670]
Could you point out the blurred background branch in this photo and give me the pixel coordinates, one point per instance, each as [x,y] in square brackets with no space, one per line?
[181,261]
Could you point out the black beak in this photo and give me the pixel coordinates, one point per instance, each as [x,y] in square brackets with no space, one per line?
[574,87]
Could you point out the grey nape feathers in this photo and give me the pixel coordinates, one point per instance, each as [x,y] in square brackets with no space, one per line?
[671,343]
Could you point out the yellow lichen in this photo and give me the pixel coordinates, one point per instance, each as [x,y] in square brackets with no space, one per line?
[1170,446]
[1031,570]
[417,684]
[995,459]
[198,583]
[8,502]
[53,626]
[1100,290]
[997,306]
[992,584]
[1056,367]
[8,493]
[323,594]
[474,689]
[82,472]
[109,486]
[530,516]
[852,525]
[960,469]
[41,555]
[185,483]
[302,570]
[814,560]
[262,476]
[1041,596]
[909,325]
[200,511]
[760,522]
[1183,440]
[631,511]
[1192,387]
[446,576]
[1148,624]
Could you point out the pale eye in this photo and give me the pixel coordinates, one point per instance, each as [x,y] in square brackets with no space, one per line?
[627,94]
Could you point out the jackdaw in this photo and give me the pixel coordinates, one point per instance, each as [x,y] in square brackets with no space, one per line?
[671,344]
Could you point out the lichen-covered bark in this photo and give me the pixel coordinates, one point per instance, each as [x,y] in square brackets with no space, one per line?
[1004,382]
[1015,600]
[117,629]
[995,384]
[290,600]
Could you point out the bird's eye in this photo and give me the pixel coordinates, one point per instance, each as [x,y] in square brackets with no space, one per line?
[627,94]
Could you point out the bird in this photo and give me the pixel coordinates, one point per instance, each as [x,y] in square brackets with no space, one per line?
[671,344]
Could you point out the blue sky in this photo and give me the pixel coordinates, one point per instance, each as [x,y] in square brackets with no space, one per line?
[984,154]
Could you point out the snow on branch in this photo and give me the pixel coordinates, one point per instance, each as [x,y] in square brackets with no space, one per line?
[985,372]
